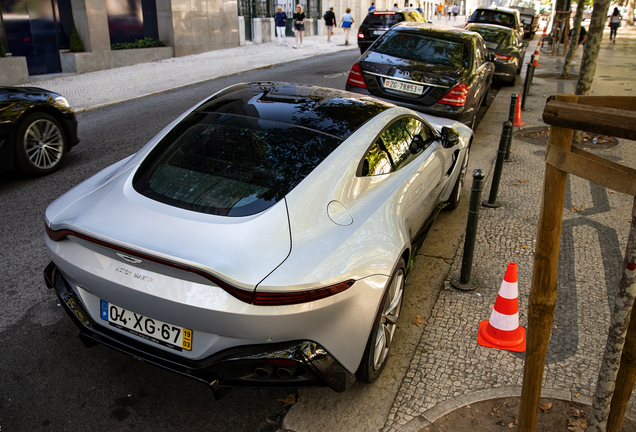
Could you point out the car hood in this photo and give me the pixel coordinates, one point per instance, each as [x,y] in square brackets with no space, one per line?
[23,90]
[241,251]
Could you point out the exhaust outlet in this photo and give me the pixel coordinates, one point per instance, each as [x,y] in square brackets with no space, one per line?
[286,372]
[264,370]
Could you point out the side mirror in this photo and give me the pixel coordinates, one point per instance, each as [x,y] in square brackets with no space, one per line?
[450,137]
[417,144]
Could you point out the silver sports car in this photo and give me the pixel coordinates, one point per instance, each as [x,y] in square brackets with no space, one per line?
[261,239]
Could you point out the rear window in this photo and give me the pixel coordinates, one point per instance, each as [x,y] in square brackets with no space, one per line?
[493,17]
[383,19]
[432,50]
[230,165]
[492,37]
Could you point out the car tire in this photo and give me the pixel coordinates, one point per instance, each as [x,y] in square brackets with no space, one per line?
[384,327]
[40,144]
[455,196]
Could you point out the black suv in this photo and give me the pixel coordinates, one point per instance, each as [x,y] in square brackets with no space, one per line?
[378,22]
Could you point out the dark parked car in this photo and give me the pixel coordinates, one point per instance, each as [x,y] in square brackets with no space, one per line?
[37,129]
[506,17]
[509,50]
[444,71]
[378,22]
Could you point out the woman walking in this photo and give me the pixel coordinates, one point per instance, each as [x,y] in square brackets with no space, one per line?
[615,23]
[346,22]
[299,25]
[281,20]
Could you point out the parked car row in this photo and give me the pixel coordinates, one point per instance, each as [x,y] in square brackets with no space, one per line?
[264,237]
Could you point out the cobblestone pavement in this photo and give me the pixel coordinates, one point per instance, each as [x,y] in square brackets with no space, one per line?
[448,363]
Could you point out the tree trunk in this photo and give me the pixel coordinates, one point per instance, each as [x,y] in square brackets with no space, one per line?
[592,47]
[574,40]
[630,13]
[597,420]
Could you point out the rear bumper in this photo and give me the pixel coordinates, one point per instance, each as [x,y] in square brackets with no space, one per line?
[440,110]
[287,364]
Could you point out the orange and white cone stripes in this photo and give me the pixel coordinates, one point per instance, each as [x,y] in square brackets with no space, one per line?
[535,63]
[503,330]
[518,122]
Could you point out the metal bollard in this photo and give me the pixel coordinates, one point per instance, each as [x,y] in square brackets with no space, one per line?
[526,86]
[464,282]
[532,72]
[511,119]
[506,131]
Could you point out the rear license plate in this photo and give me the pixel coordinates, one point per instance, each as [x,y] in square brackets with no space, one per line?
[378,32]
[403,87]
[156,331]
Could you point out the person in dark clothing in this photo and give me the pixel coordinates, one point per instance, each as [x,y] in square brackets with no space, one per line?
[299,25]
[281,19]
[330,22]
[582,35]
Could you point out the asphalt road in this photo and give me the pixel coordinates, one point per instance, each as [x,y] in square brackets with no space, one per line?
[48,380]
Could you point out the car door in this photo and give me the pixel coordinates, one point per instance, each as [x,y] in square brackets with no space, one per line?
[483,71]
[409,148]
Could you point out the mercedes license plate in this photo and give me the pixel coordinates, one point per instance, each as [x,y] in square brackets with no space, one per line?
[151,329]
[403,87]
[378,32]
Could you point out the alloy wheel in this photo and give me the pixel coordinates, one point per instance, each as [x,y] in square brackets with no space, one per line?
[388,320]
[43,144]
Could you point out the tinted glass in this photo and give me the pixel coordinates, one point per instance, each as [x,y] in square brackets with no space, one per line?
[392,149]
[493,17]
[413,46]
[493,37]
[383,20]
[230,165]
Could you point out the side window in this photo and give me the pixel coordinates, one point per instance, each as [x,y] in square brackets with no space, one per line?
[397,141]
[478,54]
[376,161]
[421,132]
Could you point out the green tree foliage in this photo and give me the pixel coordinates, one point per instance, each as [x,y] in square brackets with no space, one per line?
[76,41]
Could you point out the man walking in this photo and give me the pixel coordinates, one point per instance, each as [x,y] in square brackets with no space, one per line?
[330,22]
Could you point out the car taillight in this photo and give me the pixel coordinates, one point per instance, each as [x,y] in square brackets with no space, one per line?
[457,96]
[291,298]
[504,57]
[258,298]
[360,35]
[355,77]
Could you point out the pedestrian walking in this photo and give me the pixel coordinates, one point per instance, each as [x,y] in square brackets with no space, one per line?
[330,22]
[615,23]
[299,25]
[395,6]
[439,11]
[281,22]
[346,22]
[371,8]
[449,10]
[419,9]
[455,11]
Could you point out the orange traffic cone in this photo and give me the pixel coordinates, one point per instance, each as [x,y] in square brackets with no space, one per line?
[503,330]
[518,122]
[535,63]
[545,30]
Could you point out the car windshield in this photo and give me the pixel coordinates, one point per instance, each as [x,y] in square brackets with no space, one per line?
[383,19]
[432,50]
[493,37]
[493,17]
[230,165]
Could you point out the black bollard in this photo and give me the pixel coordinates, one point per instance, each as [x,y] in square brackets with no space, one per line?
[526,86]
[464,282]
[506,131]
[511,119]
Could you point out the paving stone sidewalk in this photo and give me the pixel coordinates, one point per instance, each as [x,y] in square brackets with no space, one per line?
[449,369]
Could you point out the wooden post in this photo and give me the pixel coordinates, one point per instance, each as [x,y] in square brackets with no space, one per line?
[626,377]
[543,289]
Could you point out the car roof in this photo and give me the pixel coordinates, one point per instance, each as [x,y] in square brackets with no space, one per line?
[434,29]
[335,112]
[498,8]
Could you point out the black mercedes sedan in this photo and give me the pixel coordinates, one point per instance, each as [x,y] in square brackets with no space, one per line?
[508,48]
[438,70]
[37,129]
[377,23]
